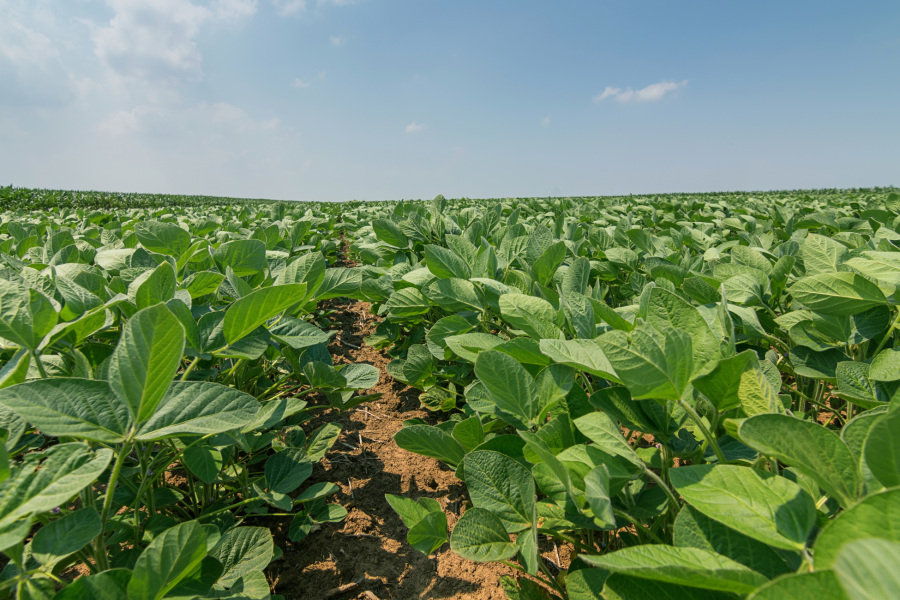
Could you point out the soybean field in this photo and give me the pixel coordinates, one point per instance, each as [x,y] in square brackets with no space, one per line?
[663,396]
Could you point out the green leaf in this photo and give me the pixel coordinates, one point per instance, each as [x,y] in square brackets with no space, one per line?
[408,302]
[254,309]
[454,295]
[200,408]
[650,363]
[205,575]
[308,269]
[390,233]
[15,370]
[886,366]
[501,485]
[297,333]
[79,408]
[64,470]
[838,294]
[584,355]
[158,287]
[606,434]
[625,587]
[469,345]
[339,282]
[287,470]
[682,566]
[444,263]
[469,433]
[867,569]
[429,534]
[243,550]
[877,516]
[323,376]
[57,539]
[882,449]
[723,385]
[817,365]
[821,254]
[597,494]
[202,283]
[316,491]
[760,505]
[510,386]
[548,262]
[169,558]
[695,530]
[204,462]
[808,447]
[360,376]
[481,537]
[108,585]
[245,257]
[535,316]
[26,315]
[409,511]
[577,277]
[855,385]
[586,584]
[322,440]
[165,238]
[146,359]
[818,585]
[430,441]
[666,309]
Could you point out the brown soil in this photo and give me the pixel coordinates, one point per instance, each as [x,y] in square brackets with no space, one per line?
[369,547]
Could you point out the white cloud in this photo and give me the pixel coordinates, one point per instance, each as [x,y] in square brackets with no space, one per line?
[234,9]
[651,93]
[337,40]
[124,122]
[152,40]
[286,8]
[414,128]
[299,83]
[323,74]
[31,67]
[545,121]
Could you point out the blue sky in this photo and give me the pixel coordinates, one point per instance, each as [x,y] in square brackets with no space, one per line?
[388,99]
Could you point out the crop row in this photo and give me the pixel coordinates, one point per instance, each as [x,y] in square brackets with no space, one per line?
[755,340]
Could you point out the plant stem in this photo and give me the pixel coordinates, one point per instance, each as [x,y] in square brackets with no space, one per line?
[672,499]
[40,365]
[99,545]
[706,434]
[565,538]
[190,368]
[638,526]
[888,335]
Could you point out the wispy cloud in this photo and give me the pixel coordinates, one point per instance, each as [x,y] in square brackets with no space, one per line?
[545,121]
[323,74]
[124,122]
[414,127]
[337,40]
[299,83]
[234,9]
[286,8]
[651,93]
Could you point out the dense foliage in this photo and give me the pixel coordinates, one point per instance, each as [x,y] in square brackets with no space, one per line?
[158,352]
[137,341]
[753,337]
